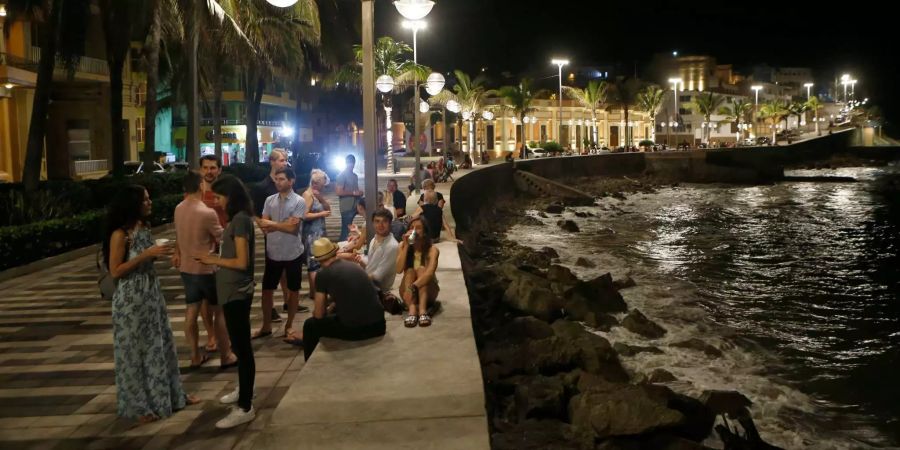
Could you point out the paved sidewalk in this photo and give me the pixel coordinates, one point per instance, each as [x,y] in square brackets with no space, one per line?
[56,366]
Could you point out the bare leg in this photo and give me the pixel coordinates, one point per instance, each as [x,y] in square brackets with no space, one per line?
[267,302]
[191,333]
[423,292]
[208,325]
[293,300]
[222,336]
[411,302]
[284,289]
[312,285]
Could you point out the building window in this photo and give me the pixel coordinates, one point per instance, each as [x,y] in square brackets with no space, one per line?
[140,94]
[685,111]
[139,129]
[684,98]
[137,60]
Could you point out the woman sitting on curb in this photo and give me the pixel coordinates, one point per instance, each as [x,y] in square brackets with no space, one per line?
[418,262]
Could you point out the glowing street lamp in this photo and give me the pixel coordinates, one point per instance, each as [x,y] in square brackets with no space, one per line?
[384,84]
[675,82]
[808,86]
[282,3]
[559,63]
[756,88]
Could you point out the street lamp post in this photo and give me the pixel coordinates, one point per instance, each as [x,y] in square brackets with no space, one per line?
[675,82]
[756,89]
[808,86]
[559,63]
[853,89]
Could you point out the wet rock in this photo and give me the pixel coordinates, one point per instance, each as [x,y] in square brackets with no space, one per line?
[555,209]
[622,410]
[536,435]
[605,232]
[618,196]
[595,354]
[584,262]
[583,214]
[549,251]
[661,376]
[631,350]
[699,345]
[600,321]
[579,201]
[637,322]
[597,295]
[530,221]
[669,442]
[732,403]
[551,355]
[531,294]
[531,257]
[543,215]
[624,283]
[522,328]
[561,274]
[568,225]
[539,398]
[489,242]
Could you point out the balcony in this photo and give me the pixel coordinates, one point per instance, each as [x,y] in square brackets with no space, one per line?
[30,63]
[90,168]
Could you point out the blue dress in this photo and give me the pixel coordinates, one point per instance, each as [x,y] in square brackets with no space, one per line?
[312,230]
[147,377]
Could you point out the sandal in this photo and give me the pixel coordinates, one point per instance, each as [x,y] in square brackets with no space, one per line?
[260,334]
[191,399]
[211,348]
[291,338]
[203,361]
[149,418]
[424,320]
[410,321]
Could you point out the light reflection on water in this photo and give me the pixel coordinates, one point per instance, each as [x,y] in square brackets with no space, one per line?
[804,277]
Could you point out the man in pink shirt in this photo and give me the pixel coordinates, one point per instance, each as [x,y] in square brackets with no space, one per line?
[210,168]
[197,230]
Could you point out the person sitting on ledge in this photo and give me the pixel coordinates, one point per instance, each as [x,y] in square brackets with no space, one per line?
[418,261]
[434,215]
[358,314]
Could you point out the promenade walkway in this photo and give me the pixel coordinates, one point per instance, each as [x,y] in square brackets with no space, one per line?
[57,374]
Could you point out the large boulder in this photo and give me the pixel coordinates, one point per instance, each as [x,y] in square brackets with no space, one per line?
[584,262]
[520,329]
[699,345]
[555,209]
[551,355]
[597,295]
[600,321]
[622,410]
[531,294]
[562,275]
[568,225]
[637,322]
[595,354]
[539,398]
[549,251]
[732,403]
[624,283]
[661,376]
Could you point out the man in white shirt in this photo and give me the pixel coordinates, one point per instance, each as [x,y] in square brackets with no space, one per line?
[381,262]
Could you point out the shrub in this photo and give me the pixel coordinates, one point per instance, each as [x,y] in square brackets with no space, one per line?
[552,147]
[646,143]
[248,173]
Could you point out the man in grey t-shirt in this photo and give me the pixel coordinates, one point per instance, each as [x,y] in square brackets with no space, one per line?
[358,312]
[347,190]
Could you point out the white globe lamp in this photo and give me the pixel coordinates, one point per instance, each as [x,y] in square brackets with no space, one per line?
[384,84]
[434,83]
[411,9]
[282,3]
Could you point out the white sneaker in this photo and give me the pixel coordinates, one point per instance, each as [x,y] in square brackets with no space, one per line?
[232,397]
[236,417]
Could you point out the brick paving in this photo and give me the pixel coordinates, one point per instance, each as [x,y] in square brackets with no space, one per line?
[57,372]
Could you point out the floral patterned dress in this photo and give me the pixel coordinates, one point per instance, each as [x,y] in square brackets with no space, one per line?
[147,377]
[312,230]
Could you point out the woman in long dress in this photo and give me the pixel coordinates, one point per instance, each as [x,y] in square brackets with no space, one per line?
[317,209]
[148,383]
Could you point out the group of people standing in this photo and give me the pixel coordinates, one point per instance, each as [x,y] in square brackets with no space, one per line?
[214,251]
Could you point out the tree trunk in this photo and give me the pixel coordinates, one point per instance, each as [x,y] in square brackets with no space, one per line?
[818,133]
[252,99]
[31,172]
[151,106]
[298,110]
[116,63]
[217,116]
[627,141]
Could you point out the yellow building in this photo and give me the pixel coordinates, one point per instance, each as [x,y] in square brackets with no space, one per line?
[78,138]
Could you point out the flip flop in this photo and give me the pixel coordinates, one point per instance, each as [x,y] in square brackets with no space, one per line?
[211,349]
[203,361]
[229,365]
[291,338]
[260,334]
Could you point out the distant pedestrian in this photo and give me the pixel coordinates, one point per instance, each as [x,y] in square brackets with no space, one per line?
[347,190]
[317,209]
[148,384]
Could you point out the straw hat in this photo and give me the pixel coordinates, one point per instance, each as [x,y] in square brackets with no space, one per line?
[323,249]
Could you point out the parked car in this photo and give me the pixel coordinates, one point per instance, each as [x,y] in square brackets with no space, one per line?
[763,140]
[538,153]
[135,167]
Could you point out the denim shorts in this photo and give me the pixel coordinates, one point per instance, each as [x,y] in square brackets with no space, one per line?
[199,287]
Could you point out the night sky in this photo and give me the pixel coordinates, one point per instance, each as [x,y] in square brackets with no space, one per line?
[523,35]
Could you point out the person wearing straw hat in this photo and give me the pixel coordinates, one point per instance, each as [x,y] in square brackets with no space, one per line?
[358,314]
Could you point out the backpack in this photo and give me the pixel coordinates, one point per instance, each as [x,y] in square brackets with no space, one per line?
[106,282]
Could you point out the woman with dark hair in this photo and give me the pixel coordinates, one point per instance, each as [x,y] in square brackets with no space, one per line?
[234,287]
[417,260]
[148,384]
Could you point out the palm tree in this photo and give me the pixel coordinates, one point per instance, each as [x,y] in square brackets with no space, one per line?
[797,109]
[591,97]
[278,35]
[775,111]
[815,105]
[392,59]
[519,98]
[707,105]
[624,95]
[739,111]
[469,94]
[61,38]
[650,100]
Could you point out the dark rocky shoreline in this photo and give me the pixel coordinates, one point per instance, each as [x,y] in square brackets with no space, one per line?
[550,382]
